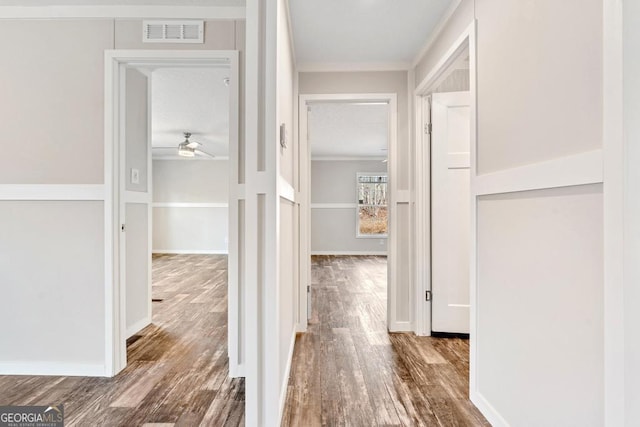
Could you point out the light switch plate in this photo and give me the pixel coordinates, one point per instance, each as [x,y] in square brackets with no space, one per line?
[135,176]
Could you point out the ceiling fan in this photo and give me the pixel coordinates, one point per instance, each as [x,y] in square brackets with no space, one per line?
[189,148]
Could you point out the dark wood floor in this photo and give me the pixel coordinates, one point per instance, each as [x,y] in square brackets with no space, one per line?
[178,367]
[348,371]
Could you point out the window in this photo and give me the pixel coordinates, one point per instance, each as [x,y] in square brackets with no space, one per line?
[372,205]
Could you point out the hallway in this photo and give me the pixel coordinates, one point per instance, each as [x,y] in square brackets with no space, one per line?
[177,372]
[347,370]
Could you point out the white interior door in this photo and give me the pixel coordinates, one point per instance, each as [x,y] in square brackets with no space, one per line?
[450,211]
[135,202]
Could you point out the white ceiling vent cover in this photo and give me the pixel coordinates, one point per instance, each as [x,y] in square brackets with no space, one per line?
[173,31]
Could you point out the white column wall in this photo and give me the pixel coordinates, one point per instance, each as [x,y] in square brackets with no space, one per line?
[631,117]
[538,255]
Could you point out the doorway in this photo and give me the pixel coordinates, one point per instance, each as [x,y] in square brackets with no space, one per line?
[135,139]
[347,154]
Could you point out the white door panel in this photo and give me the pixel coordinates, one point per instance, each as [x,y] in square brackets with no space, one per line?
[450,211]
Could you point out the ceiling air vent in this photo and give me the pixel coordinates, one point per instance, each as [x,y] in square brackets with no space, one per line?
[173,31]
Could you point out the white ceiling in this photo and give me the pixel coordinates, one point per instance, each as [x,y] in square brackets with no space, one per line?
[362,31]
[192,100]
[340,130]
[222,3]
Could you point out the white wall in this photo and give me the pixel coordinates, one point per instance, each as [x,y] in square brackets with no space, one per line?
[52,85]
[51,275]
[539,280]
[289,210]
[190,211]
[631,91]
[333,229]
[540,312]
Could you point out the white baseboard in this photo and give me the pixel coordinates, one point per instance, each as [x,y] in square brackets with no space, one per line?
[489,412]
[287,372]
[401,327]
[191,251]
[61,369]
[237,372]
[350,253]
[138,326]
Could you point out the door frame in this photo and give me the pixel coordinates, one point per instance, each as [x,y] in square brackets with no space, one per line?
[422,161]
[305,198]
[422,167]
[116,62]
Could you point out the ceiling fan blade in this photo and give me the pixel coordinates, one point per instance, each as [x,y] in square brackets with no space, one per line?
[205,154]
[193,144]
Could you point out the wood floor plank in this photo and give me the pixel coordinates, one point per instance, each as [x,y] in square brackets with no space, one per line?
[177,373]
[348,370]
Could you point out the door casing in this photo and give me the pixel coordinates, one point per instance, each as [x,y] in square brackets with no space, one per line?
[116,62]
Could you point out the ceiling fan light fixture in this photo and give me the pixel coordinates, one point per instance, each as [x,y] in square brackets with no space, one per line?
[185,151]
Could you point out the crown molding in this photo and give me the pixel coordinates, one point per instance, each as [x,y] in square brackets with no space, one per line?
[347,158]
[147,12]
[308,67]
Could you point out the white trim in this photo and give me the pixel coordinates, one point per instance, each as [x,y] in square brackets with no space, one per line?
[137,197]
[431,81]
[351,253]
[292,44]
[334,205]
[189,205]
[59,369]
[305,190]
[285,190]
[70,192]
[489,412]
[329,67]
[422,235]
[138,326]
[187,159]
[577,169]
[347,158]
[614,164]
[444,20]
[287,372]
[121,11]
[191,251]
[401,326]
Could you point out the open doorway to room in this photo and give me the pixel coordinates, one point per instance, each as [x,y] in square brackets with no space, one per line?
[176,302]
[349,194]
[190,170]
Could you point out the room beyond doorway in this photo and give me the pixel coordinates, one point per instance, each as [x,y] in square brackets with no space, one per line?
[348,179]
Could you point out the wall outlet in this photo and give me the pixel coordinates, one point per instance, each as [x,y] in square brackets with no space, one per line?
[135,176]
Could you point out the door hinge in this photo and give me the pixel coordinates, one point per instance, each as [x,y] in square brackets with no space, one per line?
[427,295]
[428,128]
[308,288]
[122,227]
